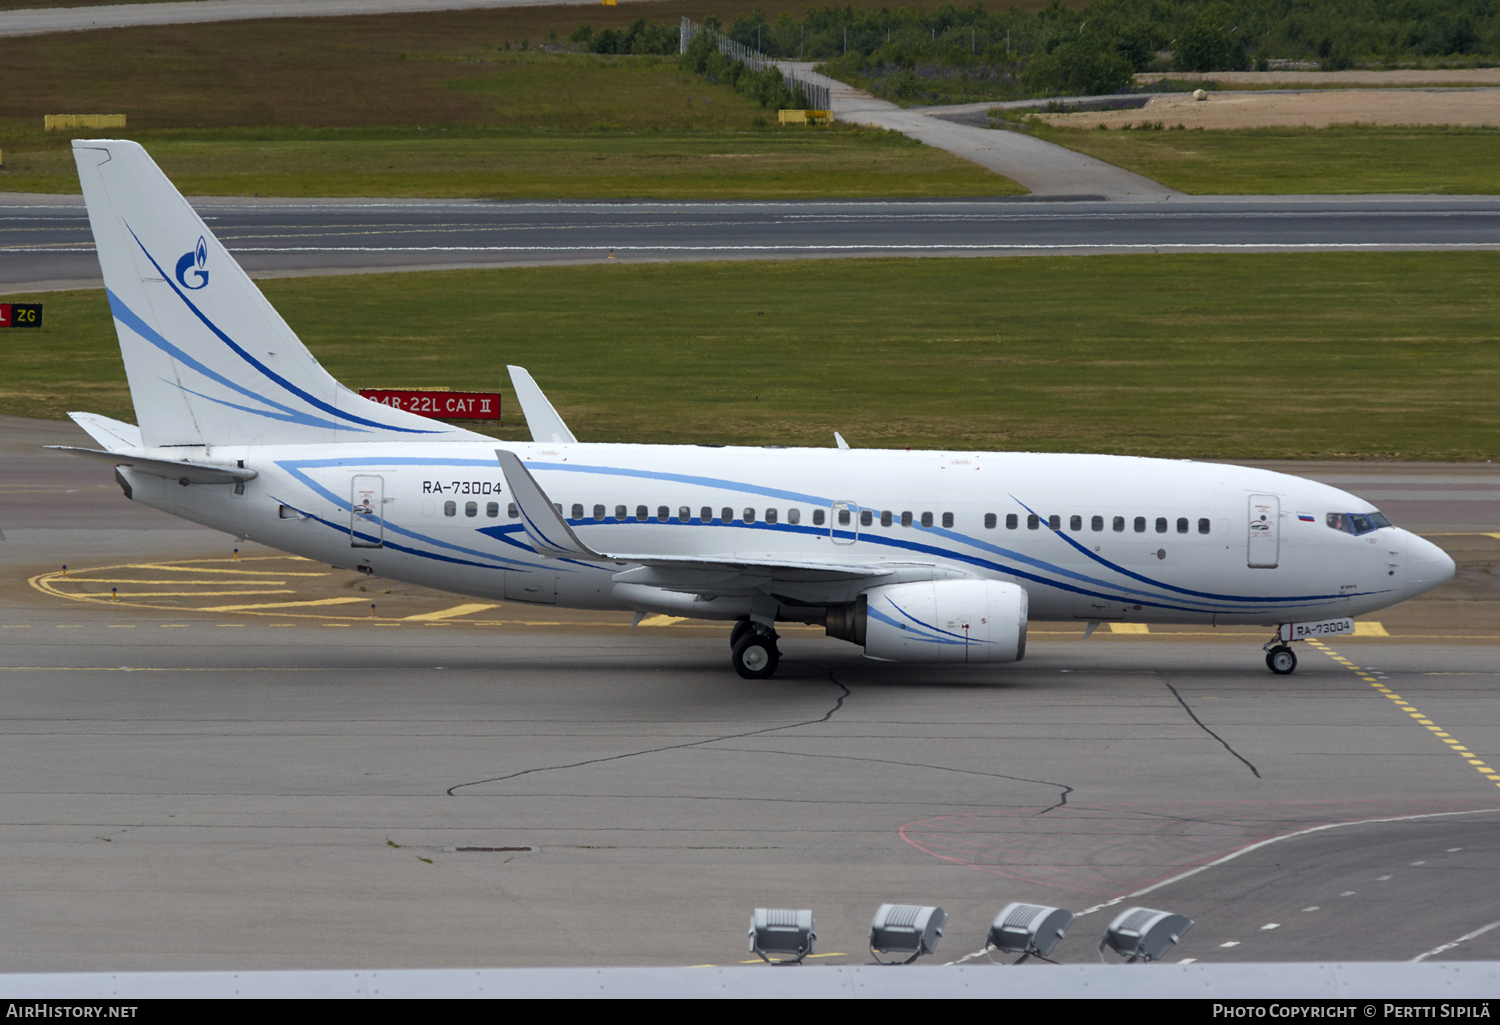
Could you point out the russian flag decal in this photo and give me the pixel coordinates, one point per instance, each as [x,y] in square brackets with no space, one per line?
[1306,517]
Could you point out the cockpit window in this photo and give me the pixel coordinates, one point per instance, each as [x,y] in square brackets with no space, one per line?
[1357,523]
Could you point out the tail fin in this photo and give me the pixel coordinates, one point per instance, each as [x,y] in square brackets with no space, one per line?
[210,362]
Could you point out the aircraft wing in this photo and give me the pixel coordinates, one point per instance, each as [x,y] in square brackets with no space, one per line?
[184,472]
[552,537]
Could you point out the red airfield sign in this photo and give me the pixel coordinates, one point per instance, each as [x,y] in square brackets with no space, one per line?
[440,405]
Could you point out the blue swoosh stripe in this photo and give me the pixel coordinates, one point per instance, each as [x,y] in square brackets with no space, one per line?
[257,364]
[916,635]
[963,638]
[125,315]
[291,466]
[1263,603]
[1136,576]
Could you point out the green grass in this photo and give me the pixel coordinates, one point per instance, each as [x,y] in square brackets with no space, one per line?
[502,125]
[1317,355]
[518,163]
[1298,161]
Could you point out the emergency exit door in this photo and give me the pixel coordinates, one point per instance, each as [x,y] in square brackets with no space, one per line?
[1265,531]
[366,511]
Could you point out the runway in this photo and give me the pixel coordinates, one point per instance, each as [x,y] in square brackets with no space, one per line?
[45,242]
[189,786]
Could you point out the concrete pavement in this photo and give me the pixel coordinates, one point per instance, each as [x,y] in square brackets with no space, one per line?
[1045,169]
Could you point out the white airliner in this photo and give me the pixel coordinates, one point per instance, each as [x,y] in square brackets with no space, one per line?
[936,557]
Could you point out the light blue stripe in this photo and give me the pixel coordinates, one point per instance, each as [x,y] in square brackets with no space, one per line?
[265,370]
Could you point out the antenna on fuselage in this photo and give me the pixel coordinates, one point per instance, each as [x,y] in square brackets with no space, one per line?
[839,439]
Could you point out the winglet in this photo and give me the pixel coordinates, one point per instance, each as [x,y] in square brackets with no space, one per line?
[545,424]
[545,527]
[839,438]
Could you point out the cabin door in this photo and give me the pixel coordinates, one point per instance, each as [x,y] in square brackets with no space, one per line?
[1265,531]
[366,511]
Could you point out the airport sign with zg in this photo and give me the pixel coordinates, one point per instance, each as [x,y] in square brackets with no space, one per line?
[20,314]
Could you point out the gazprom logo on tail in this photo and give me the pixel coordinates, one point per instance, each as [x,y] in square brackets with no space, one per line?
[185,266]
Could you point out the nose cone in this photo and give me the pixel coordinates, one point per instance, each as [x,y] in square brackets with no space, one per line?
[1427,566]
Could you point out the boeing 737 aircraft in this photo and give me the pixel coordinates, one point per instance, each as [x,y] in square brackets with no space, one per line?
[938,557]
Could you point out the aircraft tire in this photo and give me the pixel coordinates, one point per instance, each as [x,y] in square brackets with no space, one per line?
[755,656]
[1281,660]
[740,628]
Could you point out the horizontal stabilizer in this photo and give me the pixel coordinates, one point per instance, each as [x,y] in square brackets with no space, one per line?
[186,473]
[114,435]
[546,426]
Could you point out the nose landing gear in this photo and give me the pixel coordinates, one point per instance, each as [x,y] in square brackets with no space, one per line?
[755,655]
[1280,658]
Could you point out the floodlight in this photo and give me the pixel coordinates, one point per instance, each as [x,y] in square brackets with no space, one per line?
[906,929]
[786,933]
[1028,929]
[1144,934]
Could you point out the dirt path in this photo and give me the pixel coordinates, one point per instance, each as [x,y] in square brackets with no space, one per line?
[1317,109]
[1291,79]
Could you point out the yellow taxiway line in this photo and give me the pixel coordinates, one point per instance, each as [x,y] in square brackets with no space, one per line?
[1406,707]
[457,610]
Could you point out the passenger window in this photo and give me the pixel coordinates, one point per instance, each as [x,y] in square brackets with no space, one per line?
[749,515]
[663,514]
[492,510]
[843,517]
[1119,524]
[770,515]
[1010,521]
[510,510]
[706,514]
[1097,523]
[471,508]
[598,512]
[1204,526]
[1140,524]
[927,519]
[451,508]
[906,518]
[1161,524]
[1182,525]
[684,514]
[947,519]
[1054,521]
[620,513]
[866,517]
[817,517]
[885,517]
[1075,523]
[1033,521]
[642,513]
[794,516]
[990,519]
[577,511]
[726,515]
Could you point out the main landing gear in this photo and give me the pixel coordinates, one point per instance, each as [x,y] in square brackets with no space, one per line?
[755,653]
[1280,658]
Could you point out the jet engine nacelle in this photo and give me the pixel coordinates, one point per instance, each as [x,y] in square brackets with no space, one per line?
[937,621]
